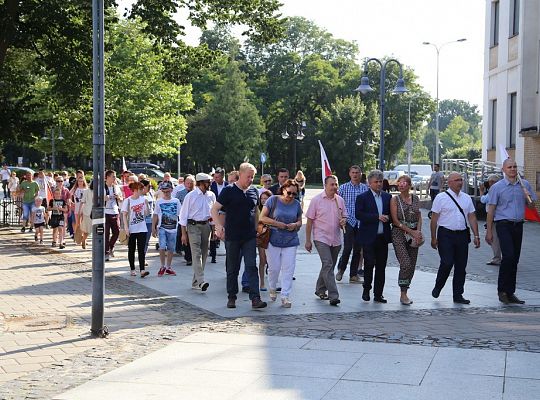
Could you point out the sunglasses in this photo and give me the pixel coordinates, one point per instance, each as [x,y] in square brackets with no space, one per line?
[268,181]
[293,194]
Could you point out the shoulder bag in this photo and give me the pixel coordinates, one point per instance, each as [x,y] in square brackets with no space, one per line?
[465,218]
[263,230]
[410,239]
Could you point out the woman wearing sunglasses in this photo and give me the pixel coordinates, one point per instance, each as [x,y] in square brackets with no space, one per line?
[283,214]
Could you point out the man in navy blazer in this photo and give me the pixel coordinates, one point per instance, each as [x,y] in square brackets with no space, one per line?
[372,209]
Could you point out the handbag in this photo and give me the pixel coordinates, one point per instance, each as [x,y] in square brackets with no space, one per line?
[409,238]
[462,213]
[263,230]
[123,237]
[78,235]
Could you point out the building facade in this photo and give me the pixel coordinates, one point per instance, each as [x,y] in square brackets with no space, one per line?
[512,84]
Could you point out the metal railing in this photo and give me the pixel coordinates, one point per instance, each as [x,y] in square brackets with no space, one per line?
[11,212]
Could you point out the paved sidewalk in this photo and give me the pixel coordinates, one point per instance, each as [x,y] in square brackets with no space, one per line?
[234,366]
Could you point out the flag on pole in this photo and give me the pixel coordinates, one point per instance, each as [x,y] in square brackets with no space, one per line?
[124,167]
[503,153]
[325,166]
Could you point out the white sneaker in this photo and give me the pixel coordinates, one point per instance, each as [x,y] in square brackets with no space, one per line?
[285,302]
[273,294]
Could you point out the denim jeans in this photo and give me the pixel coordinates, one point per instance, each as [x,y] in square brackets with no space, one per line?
[27,210]
[148,236]
[235,250]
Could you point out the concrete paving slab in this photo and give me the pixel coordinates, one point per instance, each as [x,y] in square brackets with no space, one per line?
[523,365]
[244,369]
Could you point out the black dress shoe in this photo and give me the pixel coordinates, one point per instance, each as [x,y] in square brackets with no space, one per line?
[461,300]
[436,292]
[365,295]
[335,302]
[503,298]
[245,289]
[514,300]
[379,299]
[231,303]
[213,260]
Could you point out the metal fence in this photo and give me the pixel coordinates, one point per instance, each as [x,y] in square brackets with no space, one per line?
[11,212]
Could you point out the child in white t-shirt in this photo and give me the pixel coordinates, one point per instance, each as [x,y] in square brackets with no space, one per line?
[38,218]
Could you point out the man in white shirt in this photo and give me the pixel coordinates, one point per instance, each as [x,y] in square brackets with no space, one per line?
[5,173]
[451,236]
[196,230]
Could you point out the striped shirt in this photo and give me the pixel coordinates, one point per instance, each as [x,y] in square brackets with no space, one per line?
[349,192]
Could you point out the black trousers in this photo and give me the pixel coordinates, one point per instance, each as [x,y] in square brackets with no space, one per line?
[453,249]
[138,240]
[375,257]
[510,237]
[350,245]
[213,247]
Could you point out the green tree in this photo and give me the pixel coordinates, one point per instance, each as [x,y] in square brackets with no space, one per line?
[226,131]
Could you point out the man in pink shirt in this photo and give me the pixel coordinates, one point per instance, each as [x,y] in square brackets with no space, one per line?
[326,217]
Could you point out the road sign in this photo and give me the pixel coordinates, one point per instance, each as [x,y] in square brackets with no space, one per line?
[263,158]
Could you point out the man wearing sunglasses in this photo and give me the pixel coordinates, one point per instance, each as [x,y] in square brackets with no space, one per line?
[452,215]
[506,210]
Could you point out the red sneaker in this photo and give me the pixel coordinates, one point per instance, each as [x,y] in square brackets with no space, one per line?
[161,271]
[170,271]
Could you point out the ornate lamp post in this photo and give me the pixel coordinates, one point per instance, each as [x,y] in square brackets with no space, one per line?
[299,135]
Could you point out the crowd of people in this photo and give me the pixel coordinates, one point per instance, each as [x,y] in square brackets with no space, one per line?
[195,216]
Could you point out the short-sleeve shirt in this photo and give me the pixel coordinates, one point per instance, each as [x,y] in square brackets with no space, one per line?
[111,205]
[241,209]
[286,213]
[168,212]
[39,214]
[509,199]
[449,215]
[436,180]
[30,191]
[6,173]
[135,209]
[151,202]
[325,212]
[59,204]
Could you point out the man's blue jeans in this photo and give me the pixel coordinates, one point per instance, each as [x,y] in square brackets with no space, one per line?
[235,250]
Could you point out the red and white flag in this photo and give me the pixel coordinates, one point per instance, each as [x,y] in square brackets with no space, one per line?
[124,167]
[325,166]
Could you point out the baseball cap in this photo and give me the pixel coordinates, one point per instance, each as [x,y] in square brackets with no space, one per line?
[166,185]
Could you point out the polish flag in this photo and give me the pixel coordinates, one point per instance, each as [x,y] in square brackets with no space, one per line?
[326,171]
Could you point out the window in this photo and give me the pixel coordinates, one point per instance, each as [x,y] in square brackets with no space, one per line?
[514,17]
[493,123]
[512,120]
[494,36]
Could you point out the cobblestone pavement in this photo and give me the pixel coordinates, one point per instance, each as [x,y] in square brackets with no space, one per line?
[45,305]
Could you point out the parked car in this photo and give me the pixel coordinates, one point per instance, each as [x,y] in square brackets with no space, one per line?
[392,177]
[153,173]
[21,171]
[131,165]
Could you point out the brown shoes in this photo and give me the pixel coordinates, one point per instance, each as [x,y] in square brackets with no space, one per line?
[509,298]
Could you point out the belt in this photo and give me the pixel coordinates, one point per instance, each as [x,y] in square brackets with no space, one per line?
[193,222]
[509,222]
[453,231]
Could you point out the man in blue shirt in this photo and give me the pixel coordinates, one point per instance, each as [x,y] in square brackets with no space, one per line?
[350,191]
[238,227]
[506,207]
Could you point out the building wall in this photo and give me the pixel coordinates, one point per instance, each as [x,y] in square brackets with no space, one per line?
[513,66]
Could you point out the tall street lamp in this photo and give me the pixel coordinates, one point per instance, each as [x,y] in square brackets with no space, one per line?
[438,49]
[53,136]
[365,88]
[299,135]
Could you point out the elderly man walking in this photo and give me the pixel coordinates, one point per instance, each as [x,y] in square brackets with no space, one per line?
[326,217]
[238,227]
[373,211]
[452,215]
[195,222]
[506,207]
